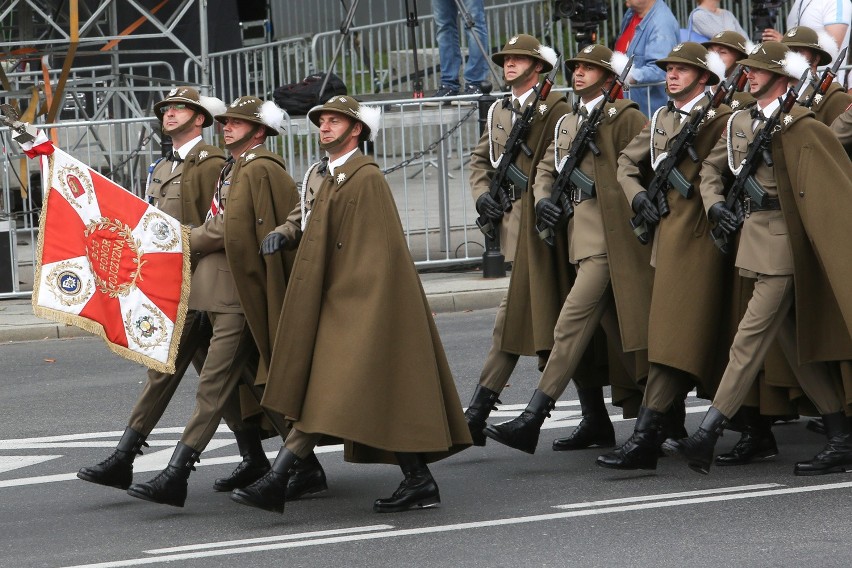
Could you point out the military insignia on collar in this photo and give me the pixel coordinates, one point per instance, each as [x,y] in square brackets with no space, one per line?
[787,120]
[542,108]
[817,99]
[513,41]
[735,104]
[251,156]
[611,112]
[341,177]
[711,113]
[202,154]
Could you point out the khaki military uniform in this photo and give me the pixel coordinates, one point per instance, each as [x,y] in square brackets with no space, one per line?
[541,275]
[237,288]
[613,282]
[184,192]
[765,254]
[829,106]
[842,128]
[357,355]
[692,281]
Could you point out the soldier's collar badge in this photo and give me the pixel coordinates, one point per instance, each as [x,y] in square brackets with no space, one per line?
[341,177]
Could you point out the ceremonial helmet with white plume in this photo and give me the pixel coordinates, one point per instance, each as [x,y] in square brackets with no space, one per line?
[527,45]
[804,37]
[253,109]
[370,117]
[695,54]
[208,106]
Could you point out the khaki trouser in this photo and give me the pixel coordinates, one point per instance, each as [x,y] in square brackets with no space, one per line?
[665,385]
[498,364]
[301,443]
[589,303]
[160,387]
[770,314]
[231,347]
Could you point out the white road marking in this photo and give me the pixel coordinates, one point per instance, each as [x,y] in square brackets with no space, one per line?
[8,463]
[723,494]
[258,540]
[157,460]
[659,496]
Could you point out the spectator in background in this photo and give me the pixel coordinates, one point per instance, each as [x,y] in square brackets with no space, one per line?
[446,15]
[708,19]
[831,16]
[649,32]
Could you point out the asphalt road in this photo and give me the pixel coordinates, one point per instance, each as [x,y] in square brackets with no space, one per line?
[64,403]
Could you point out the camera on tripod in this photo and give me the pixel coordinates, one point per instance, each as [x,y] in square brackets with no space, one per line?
[763,16]
[585,16]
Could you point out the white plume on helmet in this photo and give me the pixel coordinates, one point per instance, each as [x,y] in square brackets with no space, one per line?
[618,62]
[548,54]
[213,105]
[795,64]
[716,65]
[372,117]
[272,115]
[827,43]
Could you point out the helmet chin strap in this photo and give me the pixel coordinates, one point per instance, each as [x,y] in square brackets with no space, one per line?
[522,78]
[327,146]
[243,140]
[769,85]
[592,89]
[685,91]
[183,127]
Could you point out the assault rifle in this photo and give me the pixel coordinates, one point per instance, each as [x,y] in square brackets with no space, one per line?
[736,83]
[745,187]
[571,178]
[666,173]
[508,175]
[825,81]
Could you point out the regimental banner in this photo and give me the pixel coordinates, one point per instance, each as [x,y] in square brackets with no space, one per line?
[111,264]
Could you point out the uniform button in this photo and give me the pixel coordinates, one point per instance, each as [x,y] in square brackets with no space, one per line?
[340,245]
[162,194]
[260,221]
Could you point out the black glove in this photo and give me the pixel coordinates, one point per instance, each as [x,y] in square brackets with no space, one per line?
[739,212]
[643,206]
[272,243]
[487,207]
[724,219]
[548,212]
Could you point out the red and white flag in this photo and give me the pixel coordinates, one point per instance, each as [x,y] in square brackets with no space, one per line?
[110,263]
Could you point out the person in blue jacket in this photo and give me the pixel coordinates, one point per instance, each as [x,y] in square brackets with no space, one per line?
[649,31]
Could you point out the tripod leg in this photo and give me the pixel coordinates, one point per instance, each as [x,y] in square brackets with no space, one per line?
[344,32]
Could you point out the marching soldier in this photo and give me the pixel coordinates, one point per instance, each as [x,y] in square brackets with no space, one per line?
[782,242]
[731,47]
[613,282]
[181,185]
[331,371]
[818,49]
[842,128]
[240,291]
[541,275]
[684,345]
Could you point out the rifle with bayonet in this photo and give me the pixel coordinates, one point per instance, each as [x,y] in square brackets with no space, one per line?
[735,83]
[666,173]
[745,187]
[571,178]
[828,76]
[25,131]
[508,176]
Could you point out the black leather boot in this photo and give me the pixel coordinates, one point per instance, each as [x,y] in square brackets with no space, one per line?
[417,490]
[697,449]
[481,405]
[641,450]
[170,485]
[595,429]
[254,464]
[522,432]
[270,491]
[673,421]
[117,469]
[836,456]
[756,440]
[306,478]
[816,425]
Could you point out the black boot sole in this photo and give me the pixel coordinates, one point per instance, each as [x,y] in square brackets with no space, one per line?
[696,466]
[96,481]
[222,487]
[563,447]
[425,503]
[244,499]
[826,471]
[497,437]
[754,458]
[644,467]
[307,492]
[146,497]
